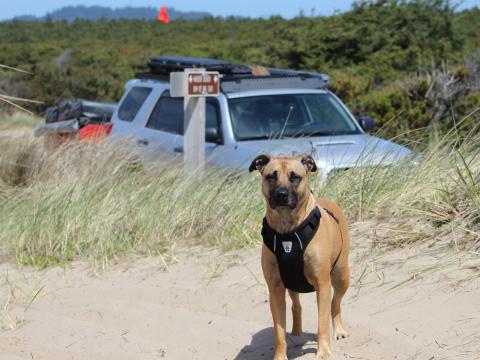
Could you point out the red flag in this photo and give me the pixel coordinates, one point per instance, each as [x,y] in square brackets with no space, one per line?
[163,15]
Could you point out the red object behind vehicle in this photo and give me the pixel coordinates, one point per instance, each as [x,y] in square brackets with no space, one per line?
[94,132]
[163,15]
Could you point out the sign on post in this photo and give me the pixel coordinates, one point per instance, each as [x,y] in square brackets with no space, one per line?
[193,85]
[203,84]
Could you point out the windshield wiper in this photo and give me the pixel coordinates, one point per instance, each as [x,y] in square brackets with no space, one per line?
[260,137]
[296,135]
[319,133]
[311,133]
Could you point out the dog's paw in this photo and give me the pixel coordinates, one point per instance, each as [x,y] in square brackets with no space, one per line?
[340,334]
[323,351]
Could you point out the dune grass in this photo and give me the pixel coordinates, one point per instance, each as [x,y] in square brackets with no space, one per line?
[98,201]
[18,120]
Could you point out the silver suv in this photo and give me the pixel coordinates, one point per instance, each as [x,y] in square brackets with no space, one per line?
[284,112]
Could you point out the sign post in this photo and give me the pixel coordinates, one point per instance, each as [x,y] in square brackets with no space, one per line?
[194,133]
[194,85]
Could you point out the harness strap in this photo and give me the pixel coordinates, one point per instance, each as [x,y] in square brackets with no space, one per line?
[330,212]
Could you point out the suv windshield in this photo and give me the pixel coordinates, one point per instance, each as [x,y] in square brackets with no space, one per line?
[289,115]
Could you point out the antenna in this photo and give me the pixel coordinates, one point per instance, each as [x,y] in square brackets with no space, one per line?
[286,121]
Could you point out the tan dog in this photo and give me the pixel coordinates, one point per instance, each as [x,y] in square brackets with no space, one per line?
[325,261]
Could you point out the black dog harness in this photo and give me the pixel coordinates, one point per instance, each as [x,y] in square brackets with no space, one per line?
[290,247]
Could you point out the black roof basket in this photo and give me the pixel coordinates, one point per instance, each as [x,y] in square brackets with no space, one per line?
[167,64]
[235,77]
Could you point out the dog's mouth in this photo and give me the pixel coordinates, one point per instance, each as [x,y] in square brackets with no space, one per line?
[290,202]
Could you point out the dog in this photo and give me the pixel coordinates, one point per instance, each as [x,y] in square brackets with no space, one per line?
[311,237]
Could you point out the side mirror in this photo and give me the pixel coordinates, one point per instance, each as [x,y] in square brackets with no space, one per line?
[366,122]
[211,135]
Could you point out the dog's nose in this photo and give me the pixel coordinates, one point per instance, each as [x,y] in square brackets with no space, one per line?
[282,193]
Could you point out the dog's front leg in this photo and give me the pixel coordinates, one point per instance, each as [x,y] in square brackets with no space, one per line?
[278,309]
[277,292]
[323,290]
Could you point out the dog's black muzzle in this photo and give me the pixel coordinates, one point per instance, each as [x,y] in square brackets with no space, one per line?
[282,196]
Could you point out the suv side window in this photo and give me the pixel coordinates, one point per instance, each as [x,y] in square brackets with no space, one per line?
[168,115]
[133,102]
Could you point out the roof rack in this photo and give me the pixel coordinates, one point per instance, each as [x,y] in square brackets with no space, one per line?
[167,64]
[235,77]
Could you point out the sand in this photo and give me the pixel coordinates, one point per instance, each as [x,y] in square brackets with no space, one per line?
[414,303]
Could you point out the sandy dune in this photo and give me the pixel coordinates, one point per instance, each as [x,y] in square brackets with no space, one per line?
[208,305]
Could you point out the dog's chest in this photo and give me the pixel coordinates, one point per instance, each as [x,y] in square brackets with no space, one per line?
[289,250]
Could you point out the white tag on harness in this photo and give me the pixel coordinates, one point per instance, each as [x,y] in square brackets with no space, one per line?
[287,246]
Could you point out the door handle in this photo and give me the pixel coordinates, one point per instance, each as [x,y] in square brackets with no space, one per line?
[143,141]
[178,149]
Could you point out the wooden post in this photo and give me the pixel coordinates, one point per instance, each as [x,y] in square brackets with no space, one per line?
[194,85]
[194,131]
[194,136]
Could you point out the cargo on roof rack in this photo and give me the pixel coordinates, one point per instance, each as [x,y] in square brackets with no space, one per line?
[164,65]
[235,77]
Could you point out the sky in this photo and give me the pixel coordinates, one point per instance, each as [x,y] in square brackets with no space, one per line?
[252,8]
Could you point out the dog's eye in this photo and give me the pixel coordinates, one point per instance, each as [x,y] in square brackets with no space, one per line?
[294,176]
[272,176]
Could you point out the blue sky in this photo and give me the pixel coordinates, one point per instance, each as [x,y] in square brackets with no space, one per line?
[253,8]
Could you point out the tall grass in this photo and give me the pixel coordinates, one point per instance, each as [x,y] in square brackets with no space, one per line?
[17,120]
[99,201]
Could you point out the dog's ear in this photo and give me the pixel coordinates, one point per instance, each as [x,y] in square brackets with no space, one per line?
[309,163]
[259,163]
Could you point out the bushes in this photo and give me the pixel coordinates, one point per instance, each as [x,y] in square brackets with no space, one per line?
[435,99]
